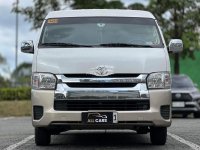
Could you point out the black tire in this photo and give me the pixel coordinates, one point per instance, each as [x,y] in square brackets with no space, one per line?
[197,115]
[158,135]
[42,137]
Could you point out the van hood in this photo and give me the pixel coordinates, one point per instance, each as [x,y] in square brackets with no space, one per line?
[82,60]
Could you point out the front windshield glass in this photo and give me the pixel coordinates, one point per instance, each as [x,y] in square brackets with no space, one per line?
[101,31]
[182,82]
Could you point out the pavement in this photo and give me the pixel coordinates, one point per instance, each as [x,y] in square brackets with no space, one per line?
[18,133]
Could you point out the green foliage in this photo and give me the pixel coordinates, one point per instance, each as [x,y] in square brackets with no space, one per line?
[137,6]
[190,67]
[101,4]
[2,59]
[179,19]
[20,67]
[41,8]
[22,75]
[22,93]
[37,13]
[115,5]
[4,82]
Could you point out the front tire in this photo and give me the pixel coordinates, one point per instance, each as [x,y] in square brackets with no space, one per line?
[42,137]
[158,135]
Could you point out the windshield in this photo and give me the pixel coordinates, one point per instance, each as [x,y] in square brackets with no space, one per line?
[181,82]
[100,31]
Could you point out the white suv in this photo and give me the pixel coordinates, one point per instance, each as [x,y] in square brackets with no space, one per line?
[101,69]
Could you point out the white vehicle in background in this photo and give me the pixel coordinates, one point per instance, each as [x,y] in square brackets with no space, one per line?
[101,69]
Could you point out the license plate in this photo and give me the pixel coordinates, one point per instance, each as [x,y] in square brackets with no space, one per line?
[99,117]
[178,104]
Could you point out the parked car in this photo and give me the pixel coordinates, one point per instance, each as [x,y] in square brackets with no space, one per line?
[101,69]
[185,96]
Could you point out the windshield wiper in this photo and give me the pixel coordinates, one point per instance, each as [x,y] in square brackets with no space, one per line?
[123,45]
[63,45]
[100,45]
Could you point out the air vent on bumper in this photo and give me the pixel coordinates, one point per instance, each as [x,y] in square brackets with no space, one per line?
[85,105]
[165,111]
[37,112]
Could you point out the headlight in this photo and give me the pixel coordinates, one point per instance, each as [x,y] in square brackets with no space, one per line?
[159,80]
[44,81]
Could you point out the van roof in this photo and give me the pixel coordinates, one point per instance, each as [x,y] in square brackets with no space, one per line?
[100,13]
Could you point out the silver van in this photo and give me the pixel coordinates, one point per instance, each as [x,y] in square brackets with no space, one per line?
[101,69]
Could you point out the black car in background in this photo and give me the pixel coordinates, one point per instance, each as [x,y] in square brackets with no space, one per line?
[185,96]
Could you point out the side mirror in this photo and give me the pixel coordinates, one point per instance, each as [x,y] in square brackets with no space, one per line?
[27,47]
[176,46]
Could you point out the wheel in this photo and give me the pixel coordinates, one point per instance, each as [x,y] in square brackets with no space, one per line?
[42,137]
[158,135]
[197,115]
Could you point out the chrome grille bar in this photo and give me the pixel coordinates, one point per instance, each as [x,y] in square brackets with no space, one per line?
[63,92]
[140,79]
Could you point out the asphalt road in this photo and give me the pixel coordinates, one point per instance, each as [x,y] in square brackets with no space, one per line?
[17,133]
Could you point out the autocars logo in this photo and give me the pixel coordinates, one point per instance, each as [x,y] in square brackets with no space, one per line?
[102,70]
[96,118]
[96,115]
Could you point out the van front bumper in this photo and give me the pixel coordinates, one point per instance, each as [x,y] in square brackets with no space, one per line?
[151,117]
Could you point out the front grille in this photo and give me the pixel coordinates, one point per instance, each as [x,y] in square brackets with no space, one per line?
[37,112]
[85,105]
[165,111]
[100,85]
[116,75]
[183,97]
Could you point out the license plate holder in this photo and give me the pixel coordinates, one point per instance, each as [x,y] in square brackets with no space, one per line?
[99,117]
[178,104]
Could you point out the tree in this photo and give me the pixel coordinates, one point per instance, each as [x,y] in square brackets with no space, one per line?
[2,60]
[137,6]
[179,19]
[22,75]
[4,82]
[38,12]
[4,66]
[88,4]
